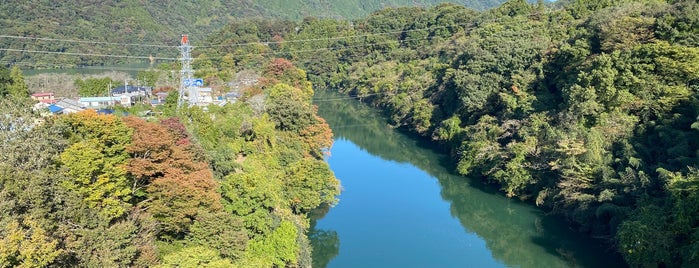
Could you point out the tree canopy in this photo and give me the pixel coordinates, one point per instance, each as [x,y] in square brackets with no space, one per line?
[227,187]
[587,109]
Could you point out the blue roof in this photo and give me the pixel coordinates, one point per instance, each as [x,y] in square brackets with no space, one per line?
[54,109]
[105,111]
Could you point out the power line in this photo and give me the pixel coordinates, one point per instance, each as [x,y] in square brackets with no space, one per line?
[233,44]
[324,39]
[333,38]
[83,41]
[218,57]
[221,45]
[86,54]
[166,58]
[116,68]
[73,67]
[469,24]
[237,44]
[319,49]
[76,66]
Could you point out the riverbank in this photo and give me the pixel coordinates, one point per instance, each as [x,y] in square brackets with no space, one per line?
[402,207]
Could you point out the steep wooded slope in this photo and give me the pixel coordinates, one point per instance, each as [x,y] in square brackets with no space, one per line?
[147,22]
[588,109]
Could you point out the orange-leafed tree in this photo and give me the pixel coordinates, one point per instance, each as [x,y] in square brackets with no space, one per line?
[150,151]
[318,137]
[175,187]
[282,70]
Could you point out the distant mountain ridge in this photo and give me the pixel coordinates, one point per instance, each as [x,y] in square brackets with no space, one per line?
[149,22]
[355,9]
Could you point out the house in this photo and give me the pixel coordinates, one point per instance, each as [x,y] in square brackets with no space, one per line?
[131,95]
[44,97]
[131,91]
[55,109]
[201,96]
[205,95]
[100,102]
[159,98]
[66,106]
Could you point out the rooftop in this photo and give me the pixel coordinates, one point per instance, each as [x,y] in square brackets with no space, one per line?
[53,108]
[129,89]
[99,99]
[69,103]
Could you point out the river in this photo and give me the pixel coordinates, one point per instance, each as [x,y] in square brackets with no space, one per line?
[402,207]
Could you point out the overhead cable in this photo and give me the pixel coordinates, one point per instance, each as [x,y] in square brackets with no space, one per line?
[84,41]
[86,54]
[317,49]
[320,39]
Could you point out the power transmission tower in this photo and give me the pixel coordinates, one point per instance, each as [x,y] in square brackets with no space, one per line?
[186,72]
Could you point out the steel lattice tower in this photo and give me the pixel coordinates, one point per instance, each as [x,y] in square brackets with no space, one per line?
[186,73]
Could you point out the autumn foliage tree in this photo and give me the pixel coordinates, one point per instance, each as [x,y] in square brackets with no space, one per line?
[317,137]
[96,161]
[284,71]
[177,187]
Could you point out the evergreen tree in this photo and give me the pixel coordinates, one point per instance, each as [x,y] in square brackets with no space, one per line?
[18,88]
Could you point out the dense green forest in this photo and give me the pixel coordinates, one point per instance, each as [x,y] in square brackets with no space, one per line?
[138,30]
[587,109]
[227,187]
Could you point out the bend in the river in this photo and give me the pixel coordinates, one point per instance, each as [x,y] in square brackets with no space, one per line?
[402,207]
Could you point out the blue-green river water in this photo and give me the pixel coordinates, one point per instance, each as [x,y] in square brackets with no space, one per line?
[402,207]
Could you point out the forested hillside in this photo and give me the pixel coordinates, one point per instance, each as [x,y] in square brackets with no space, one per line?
[587,109]
[227,187]
[354,9]
[145,30]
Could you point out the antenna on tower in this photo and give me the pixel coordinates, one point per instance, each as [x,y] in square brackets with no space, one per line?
[186,72]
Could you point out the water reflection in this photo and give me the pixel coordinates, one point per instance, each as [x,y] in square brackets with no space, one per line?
[517,235]
[325,243]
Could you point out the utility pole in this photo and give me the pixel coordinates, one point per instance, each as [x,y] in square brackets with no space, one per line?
[126,91]
[186,73]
